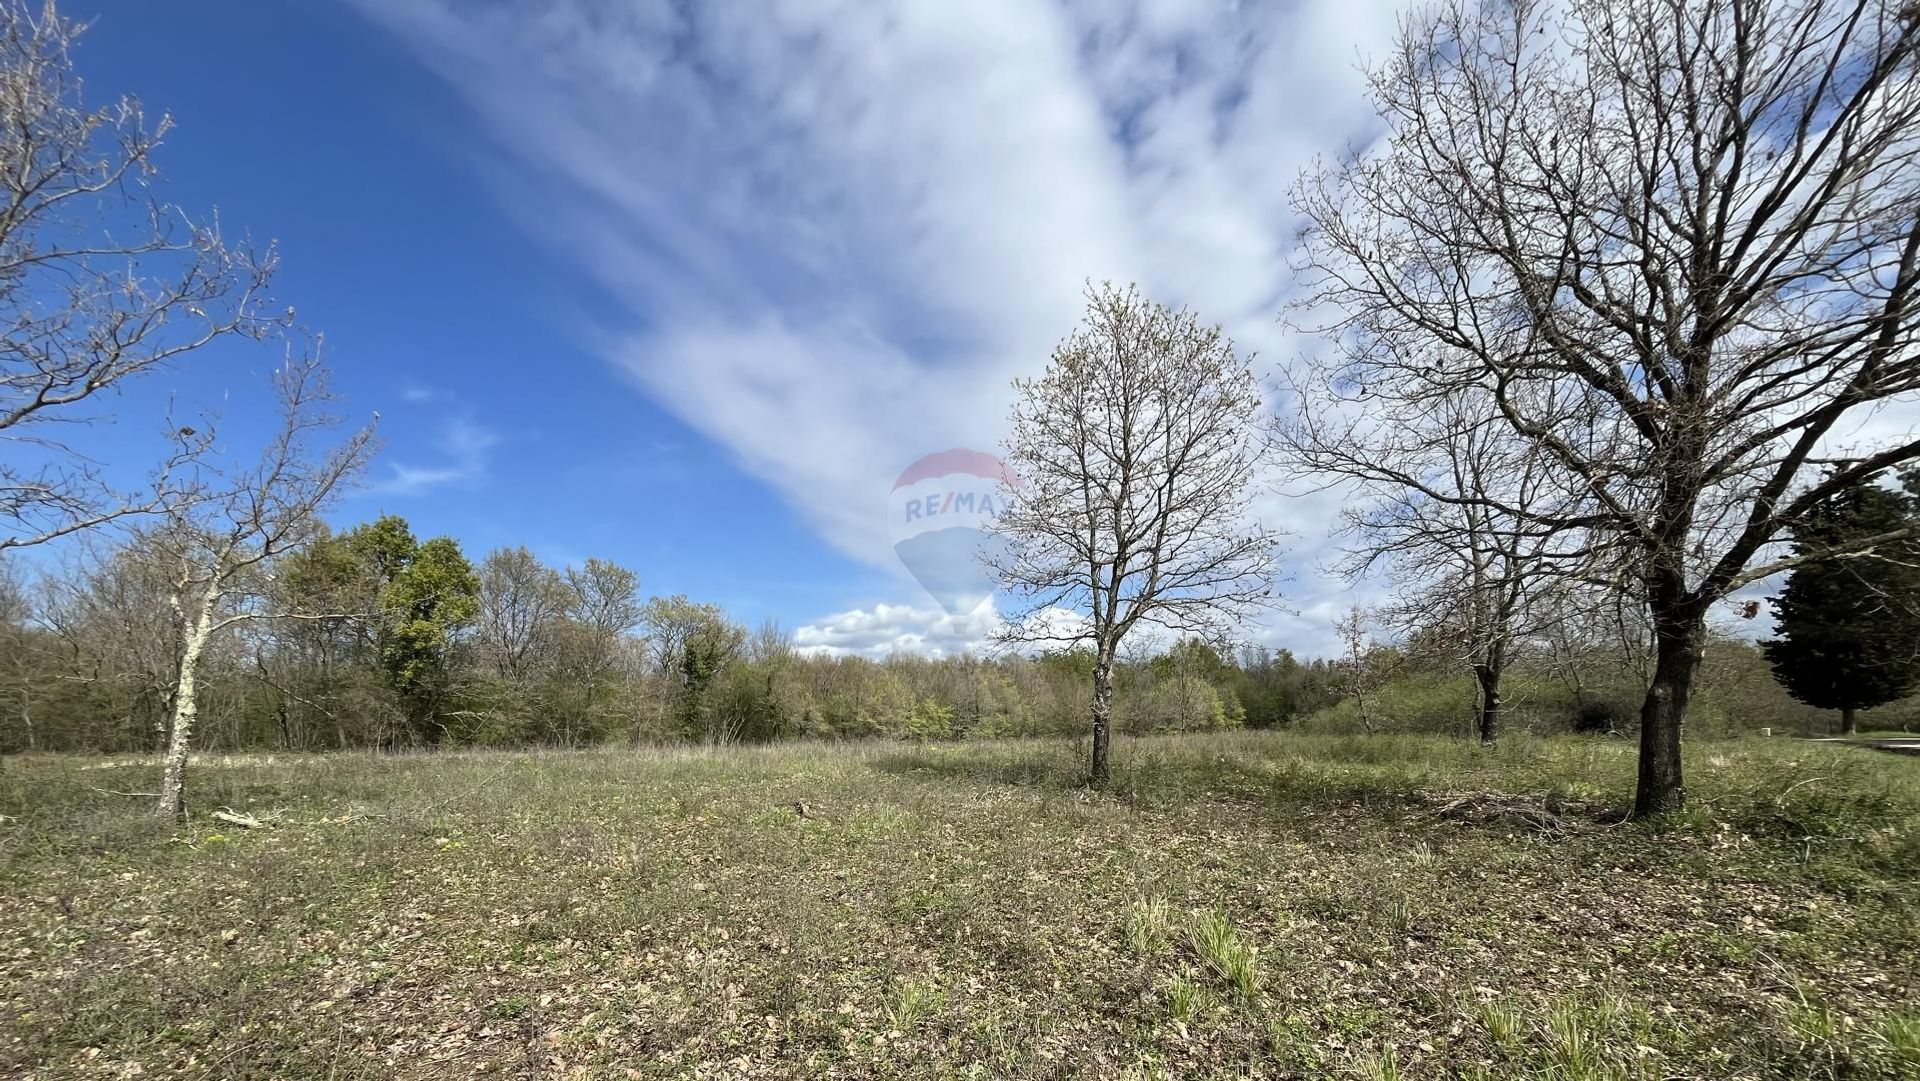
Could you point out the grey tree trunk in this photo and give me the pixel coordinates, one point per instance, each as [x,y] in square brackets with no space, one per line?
[1847,721]
[1102,719]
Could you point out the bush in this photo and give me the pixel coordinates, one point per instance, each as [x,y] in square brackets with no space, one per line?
[928,719]
[1601,716]
[1184,704]
[1422,702]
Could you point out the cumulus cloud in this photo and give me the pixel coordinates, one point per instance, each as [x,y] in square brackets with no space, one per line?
[886,629]
[841,229]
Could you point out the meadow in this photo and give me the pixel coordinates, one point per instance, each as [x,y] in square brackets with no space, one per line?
[1239,905]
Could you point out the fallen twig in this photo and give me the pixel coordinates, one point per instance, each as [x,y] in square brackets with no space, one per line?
[1496,810]
[234,818]
[1781,799]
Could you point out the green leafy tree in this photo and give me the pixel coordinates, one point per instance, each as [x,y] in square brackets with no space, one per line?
[427,606]
[1191,657]
[694,644]
[927,720]
[705,658]
[427,595]
[1849,625]
[1182,702]
[383,547]
[987,703]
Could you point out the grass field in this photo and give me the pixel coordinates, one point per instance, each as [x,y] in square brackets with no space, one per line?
[1245,905]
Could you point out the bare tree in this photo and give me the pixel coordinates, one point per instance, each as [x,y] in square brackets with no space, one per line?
[235,525]
[100,282]
[1135,461]
[19,652]
[603,601]
[1364,666]
[1673,243]
[110,614]
[1593,643]
[522,601]
[1468,571]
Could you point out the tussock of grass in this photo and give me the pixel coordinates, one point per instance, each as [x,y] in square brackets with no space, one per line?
[1900,1035]
[1148,921]
[1186,999]
[1240,905]
[1221,948]
[1379,1066]
[912,999]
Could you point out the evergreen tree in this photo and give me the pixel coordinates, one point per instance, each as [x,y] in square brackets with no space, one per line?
[1850,627]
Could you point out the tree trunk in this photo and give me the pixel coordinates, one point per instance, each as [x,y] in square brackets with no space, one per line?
[1102,719]
[1679,634]
[1489,677]
[1847,727]
[186,708]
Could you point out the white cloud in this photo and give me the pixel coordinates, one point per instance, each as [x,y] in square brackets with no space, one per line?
[841,228]
[464,447]
[887,629]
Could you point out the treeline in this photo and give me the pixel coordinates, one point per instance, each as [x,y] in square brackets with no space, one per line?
[374,638]
[1564,684]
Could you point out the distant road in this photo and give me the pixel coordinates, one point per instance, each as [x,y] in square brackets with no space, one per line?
[1898,745]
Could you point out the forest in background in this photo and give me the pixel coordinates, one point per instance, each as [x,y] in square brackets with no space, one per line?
[374,638]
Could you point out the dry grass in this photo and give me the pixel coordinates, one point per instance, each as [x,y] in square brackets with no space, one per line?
[1243,905]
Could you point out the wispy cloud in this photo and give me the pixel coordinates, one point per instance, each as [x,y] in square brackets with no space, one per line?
[464,447]
[842,229]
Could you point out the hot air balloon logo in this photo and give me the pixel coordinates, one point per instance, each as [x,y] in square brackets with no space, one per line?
[940,515]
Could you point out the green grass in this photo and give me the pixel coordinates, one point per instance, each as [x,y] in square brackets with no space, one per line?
[1239,905]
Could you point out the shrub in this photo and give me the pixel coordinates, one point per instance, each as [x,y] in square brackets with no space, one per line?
[1183,704]
[1601,716]
[928,719]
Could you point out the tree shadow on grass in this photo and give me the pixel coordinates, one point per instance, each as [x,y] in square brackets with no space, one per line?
[1046,767]
[1167,775]
[1152,777]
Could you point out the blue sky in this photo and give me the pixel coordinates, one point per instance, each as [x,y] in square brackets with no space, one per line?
[686,286]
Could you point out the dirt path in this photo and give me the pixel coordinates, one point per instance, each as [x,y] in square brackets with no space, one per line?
[1901,745]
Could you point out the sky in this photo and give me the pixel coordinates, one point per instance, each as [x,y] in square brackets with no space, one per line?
[688,286]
